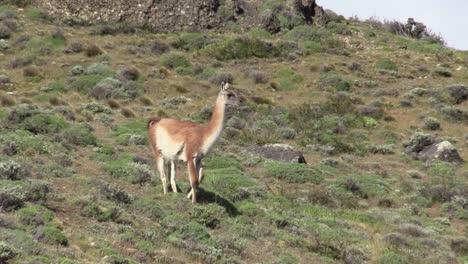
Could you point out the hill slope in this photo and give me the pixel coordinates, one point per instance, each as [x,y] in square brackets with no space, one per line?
[78,181]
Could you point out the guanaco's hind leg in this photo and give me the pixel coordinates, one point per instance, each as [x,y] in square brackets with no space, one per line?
[162,174]
[173,177]
[193,176]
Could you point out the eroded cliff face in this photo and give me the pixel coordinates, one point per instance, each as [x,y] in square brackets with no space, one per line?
[182,15]
[158,15]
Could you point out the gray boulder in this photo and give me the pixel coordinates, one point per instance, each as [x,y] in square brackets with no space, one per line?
[427,148]
[279,152]
[443,151]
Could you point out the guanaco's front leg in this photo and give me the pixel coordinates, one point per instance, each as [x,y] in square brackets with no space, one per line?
[199,169]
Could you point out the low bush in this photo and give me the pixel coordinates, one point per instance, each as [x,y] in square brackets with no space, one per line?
[44,124]
[50,234]
[386,64]
[293,173]
[244,47]
[12,170]
[288,79]
[335,81]
[35,215]
[191,41]
[81,135]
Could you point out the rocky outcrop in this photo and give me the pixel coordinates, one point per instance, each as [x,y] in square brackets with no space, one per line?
[178,15]
[279,152]
[427,148]
[157,15]
[443,151]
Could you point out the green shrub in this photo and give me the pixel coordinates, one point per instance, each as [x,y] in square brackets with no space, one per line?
[175,60]
[221,161]
[390,257]
[44,124]
[38,14]
[6,252]
[288,79]
[209,215]
[242,48]
[191,41]
[12,170]
[35,215]
[339,28]
[332,80]
[307,33]
[386,64]
[81,135]
[52,235]
[293,173]
[311,47]
[231,183]
[86,82]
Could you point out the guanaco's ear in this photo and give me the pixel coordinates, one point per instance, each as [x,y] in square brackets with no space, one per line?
[224,86]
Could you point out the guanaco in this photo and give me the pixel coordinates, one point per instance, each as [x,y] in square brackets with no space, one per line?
[188,141]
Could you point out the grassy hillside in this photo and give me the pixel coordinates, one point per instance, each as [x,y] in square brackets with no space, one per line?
[78,182]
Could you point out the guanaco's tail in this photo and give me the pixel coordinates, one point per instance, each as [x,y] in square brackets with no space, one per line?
[152,135]
[153,121]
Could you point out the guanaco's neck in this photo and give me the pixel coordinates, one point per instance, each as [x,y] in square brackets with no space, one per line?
[215,126]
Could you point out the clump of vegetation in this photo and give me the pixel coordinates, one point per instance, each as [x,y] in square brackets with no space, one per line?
[386,64]
[178,62]
[44,124]
[35,215]
[93,50]
[6,252]
[332,80]
[241,48]
[81,135]
[12,170]
[191,41]
[293,173]
[288,79]
[51,234]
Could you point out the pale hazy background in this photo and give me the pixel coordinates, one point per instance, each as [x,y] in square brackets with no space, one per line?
[448,17]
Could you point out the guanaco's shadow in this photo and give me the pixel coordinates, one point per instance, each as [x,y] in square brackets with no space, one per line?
[205,197]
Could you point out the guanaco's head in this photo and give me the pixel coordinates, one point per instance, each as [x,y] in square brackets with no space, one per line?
[230,98]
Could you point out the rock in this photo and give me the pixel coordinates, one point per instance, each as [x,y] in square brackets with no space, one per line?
[443,151]
[459,93]
[279,152]
[179,15]
[417,143]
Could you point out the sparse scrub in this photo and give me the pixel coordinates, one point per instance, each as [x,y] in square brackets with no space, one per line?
[242,48]
[93,50]
[293,173]
[288,79]
[387,64]
[191,41]
[159,47]
[12,170]
[332,80]
[81,135]
[178,62]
